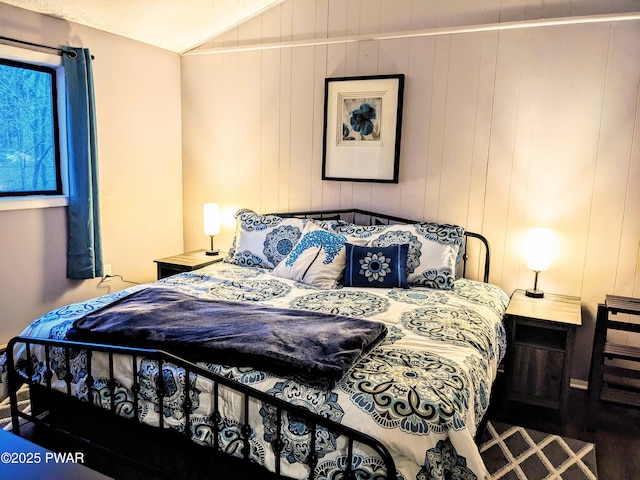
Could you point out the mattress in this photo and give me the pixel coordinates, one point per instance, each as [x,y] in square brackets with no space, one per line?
[422,391]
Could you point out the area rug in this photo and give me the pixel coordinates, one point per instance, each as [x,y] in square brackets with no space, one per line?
[512,452]
[5,407]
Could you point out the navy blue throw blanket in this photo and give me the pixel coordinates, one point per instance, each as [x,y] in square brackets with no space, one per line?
[311,347]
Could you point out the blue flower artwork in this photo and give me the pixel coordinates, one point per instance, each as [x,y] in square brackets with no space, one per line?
[361,119]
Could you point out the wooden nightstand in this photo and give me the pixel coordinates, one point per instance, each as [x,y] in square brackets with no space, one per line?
[542,336]
[185,262]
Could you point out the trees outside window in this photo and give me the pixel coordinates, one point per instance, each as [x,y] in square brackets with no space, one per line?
[29,139]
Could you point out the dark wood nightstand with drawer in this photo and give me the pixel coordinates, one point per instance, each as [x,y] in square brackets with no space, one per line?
[542,338]
[185,262]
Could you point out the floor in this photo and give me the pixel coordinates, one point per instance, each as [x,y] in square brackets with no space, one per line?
[28,461]
[616,438]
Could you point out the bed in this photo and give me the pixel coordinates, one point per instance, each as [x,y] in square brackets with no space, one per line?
[382,362]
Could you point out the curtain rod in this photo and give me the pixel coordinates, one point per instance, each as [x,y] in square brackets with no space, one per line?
[36,46]
[489,27]
[33,46]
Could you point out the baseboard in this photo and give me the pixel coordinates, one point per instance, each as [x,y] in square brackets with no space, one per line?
[579,384]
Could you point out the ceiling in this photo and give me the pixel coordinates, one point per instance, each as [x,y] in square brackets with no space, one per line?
[175,25]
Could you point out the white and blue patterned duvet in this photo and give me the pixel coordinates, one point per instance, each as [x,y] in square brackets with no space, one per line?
[422,391]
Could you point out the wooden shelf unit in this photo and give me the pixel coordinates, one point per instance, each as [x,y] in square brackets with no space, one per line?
[611,383]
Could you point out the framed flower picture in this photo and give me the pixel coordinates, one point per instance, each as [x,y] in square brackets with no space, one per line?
[362,126]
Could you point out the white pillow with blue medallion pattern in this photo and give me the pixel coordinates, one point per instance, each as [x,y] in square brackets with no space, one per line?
[318,258]
[434,248]
[263,240]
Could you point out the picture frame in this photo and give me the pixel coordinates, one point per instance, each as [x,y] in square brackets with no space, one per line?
[362,128]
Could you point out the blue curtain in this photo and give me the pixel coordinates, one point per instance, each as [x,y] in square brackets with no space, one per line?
[84,247]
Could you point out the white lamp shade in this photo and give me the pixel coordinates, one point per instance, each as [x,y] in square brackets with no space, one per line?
[540,247]
[211,219]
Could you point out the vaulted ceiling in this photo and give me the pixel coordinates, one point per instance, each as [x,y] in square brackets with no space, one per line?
[175,25]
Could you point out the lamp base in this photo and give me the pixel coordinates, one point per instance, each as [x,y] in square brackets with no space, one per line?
[534,293]
[212,252]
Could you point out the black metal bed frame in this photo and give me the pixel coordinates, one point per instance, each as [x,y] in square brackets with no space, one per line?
[312,420]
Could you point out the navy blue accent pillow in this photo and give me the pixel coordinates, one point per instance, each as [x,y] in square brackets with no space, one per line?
[384,267]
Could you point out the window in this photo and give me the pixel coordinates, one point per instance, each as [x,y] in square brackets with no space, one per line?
[32,161]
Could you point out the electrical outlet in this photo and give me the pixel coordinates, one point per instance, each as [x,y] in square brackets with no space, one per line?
[107,270]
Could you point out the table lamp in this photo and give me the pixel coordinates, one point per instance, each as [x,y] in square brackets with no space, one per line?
[540,247]
[212,224]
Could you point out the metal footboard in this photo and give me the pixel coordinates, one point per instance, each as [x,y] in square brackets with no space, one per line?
[24,372]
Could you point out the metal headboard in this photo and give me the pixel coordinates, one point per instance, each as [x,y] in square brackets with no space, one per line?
[365,217]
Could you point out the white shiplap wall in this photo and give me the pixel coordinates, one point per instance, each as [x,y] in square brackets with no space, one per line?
[502,131]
